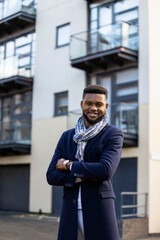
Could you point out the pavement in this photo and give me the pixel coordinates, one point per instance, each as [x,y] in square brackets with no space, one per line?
[20,226]
[15,226]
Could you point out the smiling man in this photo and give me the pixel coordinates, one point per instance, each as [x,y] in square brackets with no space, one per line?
[84,162]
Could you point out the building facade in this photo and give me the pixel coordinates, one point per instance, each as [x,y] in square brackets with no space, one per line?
[49,51]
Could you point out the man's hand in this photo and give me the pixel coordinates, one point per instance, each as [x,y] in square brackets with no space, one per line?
[60,165]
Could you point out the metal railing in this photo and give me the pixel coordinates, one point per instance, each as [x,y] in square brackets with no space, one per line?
[120,34]
[133,204]
[17,65]
[122,115]
[10,7]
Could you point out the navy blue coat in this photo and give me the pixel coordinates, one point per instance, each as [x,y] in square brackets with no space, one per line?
[101,158]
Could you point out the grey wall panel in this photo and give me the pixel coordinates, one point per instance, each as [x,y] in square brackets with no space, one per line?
[14,187]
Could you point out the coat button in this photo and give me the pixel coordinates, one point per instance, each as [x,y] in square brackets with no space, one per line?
[74,201]
[75,174]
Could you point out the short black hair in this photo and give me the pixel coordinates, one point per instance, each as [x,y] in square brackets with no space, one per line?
[95,89]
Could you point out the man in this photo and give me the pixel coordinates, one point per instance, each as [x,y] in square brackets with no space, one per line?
[84,162]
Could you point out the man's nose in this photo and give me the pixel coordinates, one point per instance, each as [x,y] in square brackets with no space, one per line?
[93,107]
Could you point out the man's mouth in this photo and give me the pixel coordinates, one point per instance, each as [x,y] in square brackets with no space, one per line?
[92,115]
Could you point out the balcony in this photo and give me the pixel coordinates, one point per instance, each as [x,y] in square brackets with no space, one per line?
[16,73]
[124,116]
[17,14]
[101,49]
[14,138]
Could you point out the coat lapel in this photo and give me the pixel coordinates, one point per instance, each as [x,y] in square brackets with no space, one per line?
[91,141]
[74,144]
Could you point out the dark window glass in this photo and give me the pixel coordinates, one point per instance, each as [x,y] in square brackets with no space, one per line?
[61,103]
[15,122]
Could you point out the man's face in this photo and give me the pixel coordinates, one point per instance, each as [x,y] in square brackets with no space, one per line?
[94,107]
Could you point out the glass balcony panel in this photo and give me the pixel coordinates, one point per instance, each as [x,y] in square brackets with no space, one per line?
[10,7]
[16,65]
[79,45]
[9,67]
[105,38]
[72,118]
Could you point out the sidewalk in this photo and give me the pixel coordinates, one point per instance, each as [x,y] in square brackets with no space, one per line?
[24,226]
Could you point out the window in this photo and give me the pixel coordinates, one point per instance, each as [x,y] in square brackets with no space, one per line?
[63,35]
[61,103]
[110,13]
[15,120]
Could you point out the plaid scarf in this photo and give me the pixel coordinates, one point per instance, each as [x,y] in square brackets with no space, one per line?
[83,134]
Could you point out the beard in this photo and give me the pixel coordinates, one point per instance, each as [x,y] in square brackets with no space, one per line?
[93,122]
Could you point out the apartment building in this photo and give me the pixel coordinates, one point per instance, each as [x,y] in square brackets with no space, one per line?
[49,51]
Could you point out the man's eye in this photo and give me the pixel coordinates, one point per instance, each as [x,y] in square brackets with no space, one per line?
[99,104]
[88,103]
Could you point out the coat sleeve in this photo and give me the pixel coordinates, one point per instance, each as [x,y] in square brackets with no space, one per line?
[60,178]
[106,166]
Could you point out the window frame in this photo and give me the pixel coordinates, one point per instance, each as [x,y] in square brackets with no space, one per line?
[57,29]
[13,116]
[56,114]
[109,4]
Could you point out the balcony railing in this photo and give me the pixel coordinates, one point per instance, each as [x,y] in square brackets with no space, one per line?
[10,7]
[16,71]
[14,139]
[17,65]
[123,116]
[16,15]
[133,205]
[99,44]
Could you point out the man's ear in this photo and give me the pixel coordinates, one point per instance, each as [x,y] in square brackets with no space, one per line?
[81,103]
[106,105]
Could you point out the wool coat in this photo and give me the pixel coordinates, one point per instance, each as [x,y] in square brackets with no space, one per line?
[101,158]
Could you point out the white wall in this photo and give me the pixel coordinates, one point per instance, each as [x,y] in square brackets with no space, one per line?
[154,114]
[53,71]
